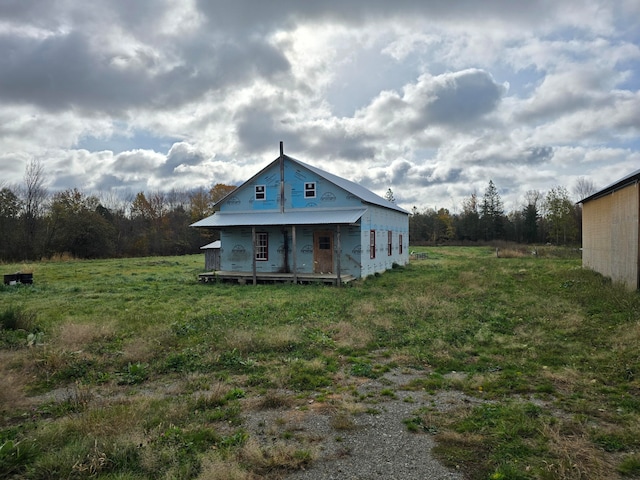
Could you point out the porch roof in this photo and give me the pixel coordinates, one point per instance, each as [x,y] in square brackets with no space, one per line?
[297,217]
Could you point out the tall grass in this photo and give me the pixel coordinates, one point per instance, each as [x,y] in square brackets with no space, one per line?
[130,368]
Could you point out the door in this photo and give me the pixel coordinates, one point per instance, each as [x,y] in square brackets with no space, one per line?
[323,252]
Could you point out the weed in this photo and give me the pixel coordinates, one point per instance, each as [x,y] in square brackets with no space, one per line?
[14,318]
[342,421]
[233,360]
[304,375]
[187,360]
[630,465]
[273,400]
[134,374]
[278,457]
[15,456]
[388,392]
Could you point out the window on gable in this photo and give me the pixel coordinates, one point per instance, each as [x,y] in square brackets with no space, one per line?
[372,244]
[310,190]
[261,192]
[262,246]
[389,242]
[400,244]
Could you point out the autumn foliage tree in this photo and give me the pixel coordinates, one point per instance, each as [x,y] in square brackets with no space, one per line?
[77,225]
[35,225]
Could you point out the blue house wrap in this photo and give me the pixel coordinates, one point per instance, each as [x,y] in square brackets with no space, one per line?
[293,218]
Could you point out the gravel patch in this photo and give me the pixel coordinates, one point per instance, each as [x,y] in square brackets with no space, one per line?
[380,447]
[376,444]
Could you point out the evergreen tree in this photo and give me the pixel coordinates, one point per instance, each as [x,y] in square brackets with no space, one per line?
[389,196]
[492,213]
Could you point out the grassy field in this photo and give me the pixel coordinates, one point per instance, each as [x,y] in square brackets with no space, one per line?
[131,369]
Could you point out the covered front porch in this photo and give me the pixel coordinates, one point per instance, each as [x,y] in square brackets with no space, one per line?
[267,277]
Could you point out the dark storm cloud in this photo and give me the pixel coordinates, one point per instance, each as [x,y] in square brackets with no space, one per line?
[73,70]
[28,11]
[54,15]
[61,72]
[279,13]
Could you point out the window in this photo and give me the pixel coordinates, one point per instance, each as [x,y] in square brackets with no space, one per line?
[400,244]
[372,244]
[262,246]
[310,190]
[261,191]
[389,242]
[324,242]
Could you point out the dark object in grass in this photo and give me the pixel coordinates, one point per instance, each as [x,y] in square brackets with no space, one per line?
[18,277]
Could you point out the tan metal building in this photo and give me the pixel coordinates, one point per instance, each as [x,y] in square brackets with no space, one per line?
[610,231]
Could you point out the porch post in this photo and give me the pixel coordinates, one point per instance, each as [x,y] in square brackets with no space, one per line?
[339,249]
[295,254]
[253,252]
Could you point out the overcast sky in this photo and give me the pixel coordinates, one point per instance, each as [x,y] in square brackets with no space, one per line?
[431,98]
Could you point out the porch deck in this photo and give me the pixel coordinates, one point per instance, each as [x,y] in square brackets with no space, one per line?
[261,277]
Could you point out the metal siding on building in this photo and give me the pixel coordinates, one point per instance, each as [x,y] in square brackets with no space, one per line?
[624,236]
[383,220]
[610,235]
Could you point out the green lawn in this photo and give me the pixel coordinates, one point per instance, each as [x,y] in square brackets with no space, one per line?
[131,369]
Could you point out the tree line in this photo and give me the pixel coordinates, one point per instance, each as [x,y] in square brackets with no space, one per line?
[550,217]
[35,224]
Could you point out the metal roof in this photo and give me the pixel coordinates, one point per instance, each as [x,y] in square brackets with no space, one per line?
[294,217]
[359,191]
[623,182]
[209,246]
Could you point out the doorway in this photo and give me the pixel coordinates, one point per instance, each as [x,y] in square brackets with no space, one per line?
[323,252]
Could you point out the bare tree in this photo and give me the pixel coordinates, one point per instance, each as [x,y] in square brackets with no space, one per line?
[533,197]
[584,188]
[33,201]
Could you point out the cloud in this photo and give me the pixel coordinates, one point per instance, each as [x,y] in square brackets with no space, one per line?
[181,155]
[459,98]
[456,102]
[429,98]
[81,70]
